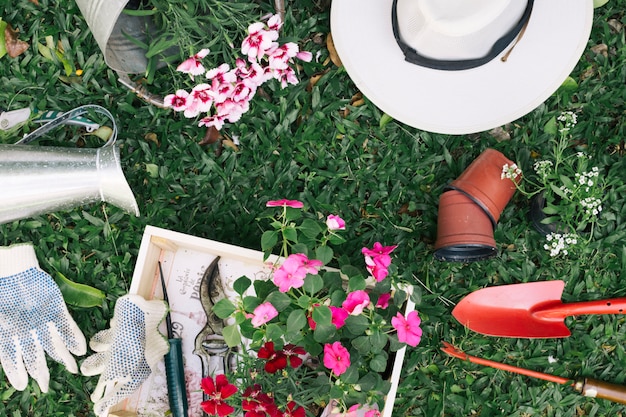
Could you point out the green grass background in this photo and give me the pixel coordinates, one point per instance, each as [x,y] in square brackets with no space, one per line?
[384,179]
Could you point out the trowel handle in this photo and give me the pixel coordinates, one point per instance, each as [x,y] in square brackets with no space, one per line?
[560,310]
[594,388]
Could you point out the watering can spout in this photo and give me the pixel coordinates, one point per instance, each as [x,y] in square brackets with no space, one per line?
[39,179]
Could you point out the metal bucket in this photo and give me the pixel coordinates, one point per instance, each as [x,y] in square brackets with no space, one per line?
[37,179]
[110,27]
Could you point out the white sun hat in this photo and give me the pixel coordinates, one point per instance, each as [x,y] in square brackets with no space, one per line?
[477,64]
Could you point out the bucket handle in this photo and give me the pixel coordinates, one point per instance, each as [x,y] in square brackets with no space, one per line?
[62,119]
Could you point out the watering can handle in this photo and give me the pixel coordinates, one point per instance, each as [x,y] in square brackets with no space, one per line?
[37,133]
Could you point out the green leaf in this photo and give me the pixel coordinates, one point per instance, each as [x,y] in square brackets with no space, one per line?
[323,332]
[279,300]
[384,120]
[322,315]
[379,362]
[356,324]
[3,49]
[291,234]
[269,239]
[313,284]
[599,3]
[296,321]
[324,254]
[250,302]
[223,308]
[79,295]
[351,376]
[378,340]
[550,127]
[231,334]
[274,332]
[242,284]
[310,228]
[362,344]
[357,283]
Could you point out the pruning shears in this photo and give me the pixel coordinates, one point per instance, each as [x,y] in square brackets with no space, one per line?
[10,119]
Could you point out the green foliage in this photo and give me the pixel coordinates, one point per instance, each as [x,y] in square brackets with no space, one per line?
[310,143]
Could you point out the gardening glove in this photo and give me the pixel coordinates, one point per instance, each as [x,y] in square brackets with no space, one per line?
[127,352]
[33,320]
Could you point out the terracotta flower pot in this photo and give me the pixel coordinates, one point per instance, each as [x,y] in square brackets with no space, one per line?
[482,182]
[464,231]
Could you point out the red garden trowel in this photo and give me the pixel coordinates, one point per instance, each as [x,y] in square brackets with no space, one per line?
[529,310]
[588,387]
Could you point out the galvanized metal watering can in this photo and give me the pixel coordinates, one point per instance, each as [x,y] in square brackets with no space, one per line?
[38,179]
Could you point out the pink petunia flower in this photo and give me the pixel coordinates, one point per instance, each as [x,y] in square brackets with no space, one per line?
[263,313]
[339,316]
[192,65]
[334,222]
[380,253]
[383,300]
[178,101]
[289,275]
[408,328]
[310,266]
[285,203]
[375,268]
[356,302]
[336,358]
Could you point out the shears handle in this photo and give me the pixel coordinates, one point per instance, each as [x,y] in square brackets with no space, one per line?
[175,373]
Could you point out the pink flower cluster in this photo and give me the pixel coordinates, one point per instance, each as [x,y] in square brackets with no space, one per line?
[378,260]
[226,95]
[292,272]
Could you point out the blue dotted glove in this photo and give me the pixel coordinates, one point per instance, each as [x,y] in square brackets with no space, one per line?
[33,320]
[127,352]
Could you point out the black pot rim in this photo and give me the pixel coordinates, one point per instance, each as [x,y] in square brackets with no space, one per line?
[465,253]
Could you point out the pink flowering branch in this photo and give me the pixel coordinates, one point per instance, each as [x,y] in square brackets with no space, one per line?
[227,93]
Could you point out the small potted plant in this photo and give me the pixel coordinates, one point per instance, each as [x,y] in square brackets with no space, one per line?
[566,191]
[318,336]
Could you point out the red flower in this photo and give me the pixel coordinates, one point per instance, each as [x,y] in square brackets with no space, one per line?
[293,352]
[275,360]
[258,404]
[293,410]
[217,392]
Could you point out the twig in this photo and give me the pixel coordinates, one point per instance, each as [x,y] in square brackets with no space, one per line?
[443,299]
[279,5]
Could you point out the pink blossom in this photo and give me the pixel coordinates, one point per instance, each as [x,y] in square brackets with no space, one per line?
[336,358]
[278,58]
[362,410]
[380,253]
[286,76]
[263,313]
[334,222]
[356,302]
[192,65]
[177,101]
[284,203]
[275,22]
[408,328]
[221,75]
[305,56]
[339,316]
[289,276]
[383,301]
[217,121]
[375,268]
[310,266]
[258,41]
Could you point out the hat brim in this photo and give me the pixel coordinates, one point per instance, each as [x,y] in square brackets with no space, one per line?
[466,101]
